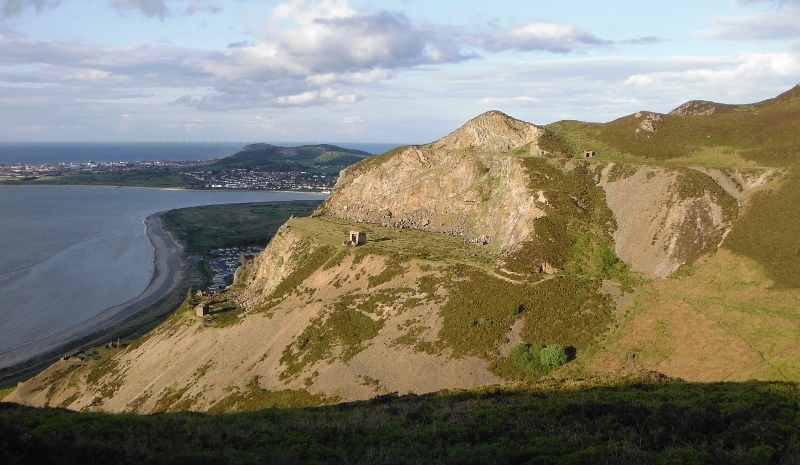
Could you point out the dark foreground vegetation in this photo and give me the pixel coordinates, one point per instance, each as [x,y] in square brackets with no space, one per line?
[638,420]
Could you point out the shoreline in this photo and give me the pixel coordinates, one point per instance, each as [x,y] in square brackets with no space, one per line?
[167,274]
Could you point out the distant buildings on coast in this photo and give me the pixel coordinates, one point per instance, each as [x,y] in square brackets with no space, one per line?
[225,263]
[36,170]
[242,178]
[228,178]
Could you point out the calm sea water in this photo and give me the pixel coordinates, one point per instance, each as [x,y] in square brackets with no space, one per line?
[69,252]
[80,152]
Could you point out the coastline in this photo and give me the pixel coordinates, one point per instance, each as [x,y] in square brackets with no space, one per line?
[167,274]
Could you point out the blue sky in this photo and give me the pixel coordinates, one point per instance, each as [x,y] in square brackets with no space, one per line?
[406,71]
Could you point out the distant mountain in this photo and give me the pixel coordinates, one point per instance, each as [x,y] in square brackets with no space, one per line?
[268,157]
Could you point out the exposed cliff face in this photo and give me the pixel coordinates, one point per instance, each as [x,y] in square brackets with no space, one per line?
[284,255]
[667,217]
[695,108]
[482,197]
[494,132]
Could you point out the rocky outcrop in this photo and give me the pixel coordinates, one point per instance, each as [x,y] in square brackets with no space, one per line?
[260,276]
[492,131]
[667,217]
[695,108]
[647,123]
[481,197]
[736,182]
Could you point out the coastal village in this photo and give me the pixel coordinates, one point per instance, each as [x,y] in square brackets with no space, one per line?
[225,263]
[229,178]
[241,178]
[37,170]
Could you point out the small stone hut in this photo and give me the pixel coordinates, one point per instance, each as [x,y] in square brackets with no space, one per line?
[201,310]
[356,238]
[589,153]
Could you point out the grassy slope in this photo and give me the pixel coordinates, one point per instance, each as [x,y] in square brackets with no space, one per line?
[620,421]
[734,314]
[274,158]
[763,134]
[749,332]
[483,302]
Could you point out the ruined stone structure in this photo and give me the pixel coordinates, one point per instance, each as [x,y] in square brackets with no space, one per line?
[201,310]
[356,238]
[589,153]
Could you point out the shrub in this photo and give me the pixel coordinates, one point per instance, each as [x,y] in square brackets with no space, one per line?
[525,358]
[553,356]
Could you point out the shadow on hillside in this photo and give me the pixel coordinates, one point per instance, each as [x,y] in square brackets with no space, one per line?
[638,421]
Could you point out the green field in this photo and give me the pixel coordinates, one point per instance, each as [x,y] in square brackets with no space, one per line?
[201,229]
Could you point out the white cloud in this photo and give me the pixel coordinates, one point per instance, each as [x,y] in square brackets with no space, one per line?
[88,74]
[332,36]
[506,100]
[741,70]
[537,36]
[369,77]
[352,119]
[312,53]
[783,23]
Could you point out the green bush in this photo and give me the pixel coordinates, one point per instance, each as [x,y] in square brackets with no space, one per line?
[525,358]
[553,356]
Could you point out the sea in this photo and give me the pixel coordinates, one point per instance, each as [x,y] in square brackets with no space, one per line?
[67,253]
[78,152]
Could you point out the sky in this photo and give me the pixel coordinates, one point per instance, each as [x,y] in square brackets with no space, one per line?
[393,71]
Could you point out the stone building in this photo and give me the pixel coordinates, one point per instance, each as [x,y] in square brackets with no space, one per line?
[201,310]
[356,238]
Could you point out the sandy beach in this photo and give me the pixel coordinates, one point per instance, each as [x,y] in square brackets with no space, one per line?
[167,274]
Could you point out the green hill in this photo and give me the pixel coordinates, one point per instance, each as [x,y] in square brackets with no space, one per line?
[267,157]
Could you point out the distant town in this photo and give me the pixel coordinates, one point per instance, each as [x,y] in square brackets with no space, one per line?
[227,178]
[242,178]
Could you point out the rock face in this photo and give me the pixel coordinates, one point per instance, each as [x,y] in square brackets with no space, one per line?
[492,131]
[647,123]
[668,217]
[477,196]
[273,265]
[695,108]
